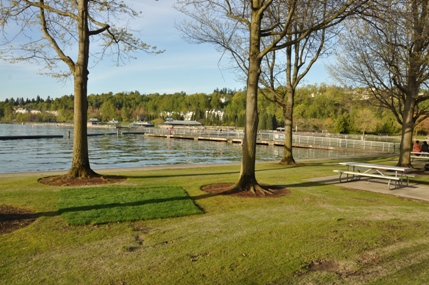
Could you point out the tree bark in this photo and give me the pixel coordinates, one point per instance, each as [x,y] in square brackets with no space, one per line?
[80,161]
[247,180]
[408,124]
[288,115]
[413,83]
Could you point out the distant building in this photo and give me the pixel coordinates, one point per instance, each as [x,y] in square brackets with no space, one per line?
[55,113]
[218,113]
[93,121]
[22,111]
[33,111]
[187,116]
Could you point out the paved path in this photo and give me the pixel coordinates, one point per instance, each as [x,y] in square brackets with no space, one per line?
[414,190]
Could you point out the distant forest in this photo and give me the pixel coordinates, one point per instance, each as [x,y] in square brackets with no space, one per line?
[317,108]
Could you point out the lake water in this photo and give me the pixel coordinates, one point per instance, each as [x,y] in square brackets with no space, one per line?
[125,151]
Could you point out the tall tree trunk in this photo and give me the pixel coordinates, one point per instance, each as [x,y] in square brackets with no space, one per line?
[406,135]
[247,180]
[407,131]
[411,95]
[80,161]
[288,115]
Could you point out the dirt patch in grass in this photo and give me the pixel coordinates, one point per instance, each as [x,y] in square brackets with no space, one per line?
[13,218]
[325,265]
[225,189]
[70,181]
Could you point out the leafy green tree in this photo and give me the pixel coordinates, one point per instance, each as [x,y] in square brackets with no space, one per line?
[215,101]
[365,121]
[342,124]
[125,114]
[108,111]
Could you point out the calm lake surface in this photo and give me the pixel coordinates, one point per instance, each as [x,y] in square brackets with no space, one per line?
[125,151]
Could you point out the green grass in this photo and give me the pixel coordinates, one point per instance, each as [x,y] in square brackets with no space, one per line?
[109,204]
[319,234]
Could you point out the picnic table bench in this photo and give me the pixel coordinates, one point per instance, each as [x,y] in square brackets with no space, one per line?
[419,155]
[356,170]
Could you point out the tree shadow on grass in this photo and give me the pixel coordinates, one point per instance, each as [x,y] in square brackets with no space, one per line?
[132,204]
[13,218]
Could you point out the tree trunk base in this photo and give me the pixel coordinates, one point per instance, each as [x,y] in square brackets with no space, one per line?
[252,186]
[288,161]
[82,172]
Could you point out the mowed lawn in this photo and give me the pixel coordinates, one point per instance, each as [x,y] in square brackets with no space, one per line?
[158,227]
[107,204]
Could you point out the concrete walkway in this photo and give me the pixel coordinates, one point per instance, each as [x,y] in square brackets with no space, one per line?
[414,190]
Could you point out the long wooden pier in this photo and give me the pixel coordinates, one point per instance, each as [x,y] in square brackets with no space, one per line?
[276,139]
[216,139]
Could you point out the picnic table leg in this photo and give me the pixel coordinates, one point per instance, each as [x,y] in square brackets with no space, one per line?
[341,181]
[393,185]
[407,181]
[349,177]
[396,184]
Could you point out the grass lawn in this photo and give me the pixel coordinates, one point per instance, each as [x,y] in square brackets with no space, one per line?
[164,230]
[109,204]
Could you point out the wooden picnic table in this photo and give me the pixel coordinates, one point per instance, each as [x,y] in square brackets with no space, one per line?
[356,170]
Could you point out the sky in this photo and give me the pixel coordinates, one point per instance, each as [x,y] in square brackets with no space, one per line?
[183,67]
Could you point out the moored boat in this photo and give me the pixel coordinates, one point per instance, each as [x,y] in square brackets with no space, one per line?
[142,124]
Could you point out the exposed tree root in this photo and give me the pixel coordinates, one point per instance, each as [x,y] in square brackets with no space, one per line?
[82,172]
[229,189]
[254,188]
[287,162]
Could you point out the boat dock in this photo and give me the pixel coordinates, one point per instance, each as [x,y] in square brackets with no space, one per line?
[3,138]
[212,138]
[273,138]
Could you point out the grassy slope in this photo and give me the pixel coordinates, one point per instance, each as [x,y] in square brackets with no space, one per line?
[352,237]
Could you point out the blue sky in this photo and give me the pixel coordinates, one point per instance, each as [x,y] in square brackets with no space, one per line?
[183,67]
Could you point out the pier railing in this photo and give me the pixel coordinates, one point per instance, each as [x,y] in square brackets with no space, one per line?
[384,147]
[278,139]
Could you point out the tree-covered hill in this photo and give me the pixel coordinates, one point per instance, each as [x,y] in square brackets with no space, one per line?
[318,108]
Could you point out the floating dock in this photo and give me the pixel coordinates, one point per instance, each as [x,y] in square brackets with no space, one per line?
[216,139]
[4,138]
